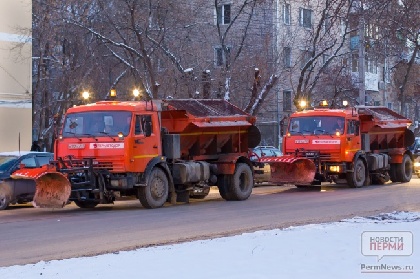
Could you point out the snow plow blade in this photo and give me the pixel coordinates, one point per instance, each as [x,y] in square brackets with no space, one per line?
[52,188]
[290,170]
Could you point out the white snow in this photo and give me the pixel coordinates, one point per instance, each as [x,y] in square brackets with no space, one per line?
[330,250]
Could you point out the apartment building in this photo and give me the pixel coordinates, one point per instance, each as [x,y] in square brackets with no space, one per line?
[308,35]
[15,75]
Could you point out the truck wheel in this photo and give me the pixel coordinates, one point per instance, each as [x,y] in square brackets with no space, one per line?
[242,183]
[405,169]
[223,182]
[155,193]
[393,173]
[86,204]
[357,178]
[4,202]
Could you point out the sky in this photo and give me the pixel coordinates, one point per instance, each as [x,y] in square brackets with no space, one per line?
[379,246]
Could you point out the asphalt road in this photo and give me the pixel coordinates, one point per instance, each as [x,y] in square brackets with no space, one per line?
[29,235]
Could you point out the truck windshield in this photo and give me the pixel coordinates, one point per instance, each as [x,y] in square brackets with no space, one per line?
[97,124]
[319,125]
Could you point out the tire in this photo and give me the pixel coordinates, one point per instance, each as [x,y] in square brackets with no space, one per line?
[156,192]
[393,173]
[242,183]
[86,204]
[405,169]
[223,182]
[357,178]
[4,202]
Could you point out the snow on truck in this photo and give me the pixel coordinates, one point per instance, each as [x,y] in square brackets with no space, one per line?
[359,146]
[157,151]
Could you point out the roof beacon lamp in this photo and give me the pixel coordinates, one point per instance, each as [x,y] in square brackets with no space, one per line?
[113,94]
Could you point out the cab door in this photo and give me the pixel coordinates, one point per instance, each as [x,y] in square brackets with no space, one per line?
[145,146]
[353,142]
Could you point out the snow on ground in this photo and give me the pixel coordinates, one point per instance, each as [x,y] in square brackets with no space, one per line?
[330,250]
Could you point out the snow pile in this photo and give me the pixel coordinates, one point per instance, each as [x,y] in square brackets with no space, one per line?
[329,250]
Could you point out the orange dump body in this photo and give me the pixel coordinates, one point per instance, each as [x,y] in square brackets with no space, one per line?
[208,127]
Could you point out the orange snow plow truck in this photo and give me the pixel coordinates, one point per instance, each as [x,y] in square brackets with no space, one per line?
[358,146]
[156,151]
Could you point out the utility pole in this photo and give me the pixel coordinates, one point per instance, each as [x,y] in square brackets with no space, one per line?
[361,68]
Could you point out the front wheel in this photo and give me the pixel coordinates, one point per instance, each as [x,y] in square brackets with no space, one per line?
[357,178]
[4,202]
[405,169]
[242,183]
[156,192]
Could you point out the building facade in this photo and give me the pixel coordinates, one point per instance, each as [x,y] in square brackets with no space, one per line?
[15,75]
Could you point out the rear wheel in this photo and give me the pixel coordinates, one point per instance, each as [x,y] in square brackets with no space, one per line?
[223,182]
[393,173]
[4,202]
[242,183]
[357,178]
[156,192]
[86,204]
[405,169]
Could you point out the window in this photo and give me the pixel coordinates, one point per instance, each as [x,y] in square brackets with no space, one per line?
[305,18]
[139,127]
[29,162]
[223,14]
[351,127]
[371,65]
[221,57]
[287,57]
[376,103]
[286,14]
[306,56]
[287,100]
[389,105]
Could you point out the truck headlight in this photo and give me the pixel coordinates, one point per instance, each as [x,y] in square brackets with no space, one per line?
[334,168]
[417,164]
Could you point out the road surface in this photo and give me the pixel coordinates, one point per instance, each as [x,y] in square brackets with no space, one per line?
[29,235]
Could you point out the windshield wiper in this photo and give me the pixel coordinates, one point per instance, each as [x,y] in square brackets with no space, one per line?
[297,132]
[105,133]
[74,134]
[90,136]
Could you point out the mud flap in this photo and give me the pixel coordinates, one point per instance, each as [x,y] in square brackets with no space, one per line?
[290,170]
[52,188]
